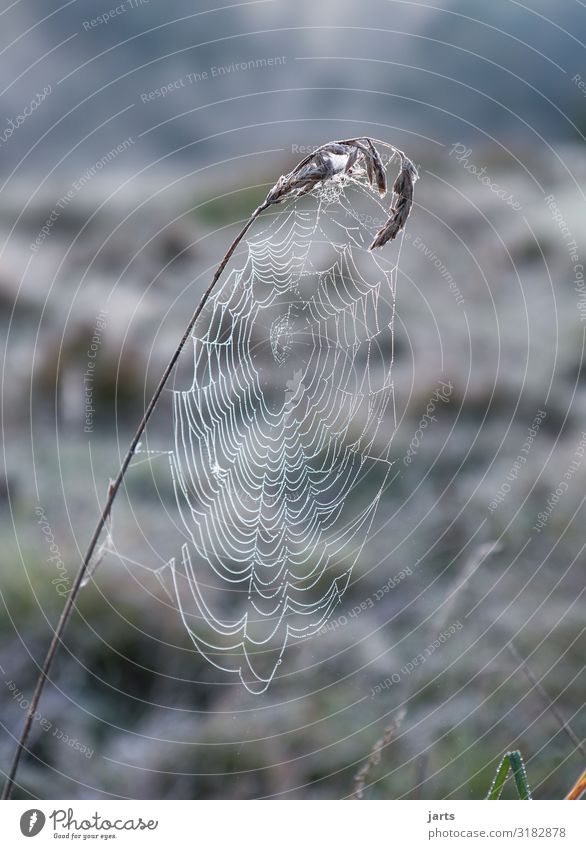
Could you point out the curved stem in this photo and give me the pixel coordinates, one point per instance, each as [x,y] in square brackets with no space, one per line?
[112,492]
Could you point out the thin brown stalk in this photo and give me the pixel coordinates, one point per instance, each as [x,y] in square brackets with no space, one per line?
[548,701]
[375,756]
[86,562]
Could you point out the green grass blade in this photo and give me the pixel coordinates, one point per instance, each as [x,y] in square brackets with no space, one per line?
[496,788]
[520,775]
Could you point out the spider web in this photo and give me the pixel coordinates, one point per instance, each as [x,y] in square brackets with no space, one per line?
[281,442]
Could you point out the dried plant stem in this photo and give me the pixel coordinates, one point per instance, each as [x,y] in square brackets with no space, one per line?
[375,756]
[112,492]
[579,788]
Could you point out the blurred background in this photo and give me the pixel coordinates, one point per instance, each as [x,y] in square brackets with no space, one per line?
[133,142]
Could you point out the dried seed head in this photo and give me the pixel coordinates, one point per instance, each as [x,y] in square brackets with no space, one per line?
[378,170]
[357,159]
